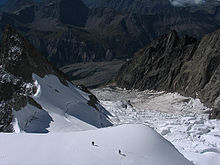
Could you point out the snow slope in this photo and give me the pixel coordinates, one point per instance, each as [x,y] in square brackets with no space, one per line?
[64,108]
[72,125]
[181,120]
[139,145]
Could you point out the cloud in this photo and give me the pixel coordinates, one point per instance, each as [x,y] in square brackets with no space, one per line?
[186,2]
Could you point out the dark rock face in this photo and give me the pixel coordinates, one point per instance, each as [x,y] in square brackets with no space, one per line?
[68,46]
[151,26]
[177,64]
[205,75]
[150,7]
[53,26]
[20,58]
[51,14]
[18,61]
[73,12]
[134,6]
[125,29]
[92,74]
[55,12]
[15,5]
[155,66]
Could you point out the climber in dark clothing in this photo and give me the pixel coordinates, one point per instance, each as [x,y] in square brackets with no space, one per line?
[93,144]
[122,154]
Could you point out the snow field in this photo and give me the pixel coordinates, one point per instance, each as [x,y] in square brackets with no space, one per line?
[139,144]
[182,121]
[64,109]
[72,126]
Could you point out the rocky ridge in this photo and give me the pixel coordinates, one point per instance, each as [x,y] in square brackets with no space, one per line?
[175,64]
[19,61]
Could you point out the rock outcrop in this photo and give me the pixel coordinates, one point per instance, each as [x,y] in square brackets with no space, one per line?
[92,74]
[18,61]
[176,64]
[23,72]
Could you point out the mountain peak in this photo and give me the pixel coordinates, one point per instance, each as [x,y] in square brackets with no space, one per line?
[20,58]
[32,91]
[15,43]
[172,38]
[176,64]
[12,49]
[172,33]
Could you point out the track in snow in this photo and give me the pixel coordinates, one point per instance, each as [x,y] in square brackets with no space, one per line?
[181,120]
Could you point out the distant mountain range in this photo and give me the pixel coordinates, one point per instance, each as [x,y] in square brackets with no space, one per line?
[67,31]
[146,7]
[3,2]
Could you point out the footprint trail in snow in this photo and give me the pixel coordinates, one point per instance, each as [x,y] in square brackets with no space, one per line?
[181,120]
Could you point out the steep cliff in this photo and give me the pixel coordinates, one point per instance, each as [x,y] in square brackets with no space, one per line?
[176,64]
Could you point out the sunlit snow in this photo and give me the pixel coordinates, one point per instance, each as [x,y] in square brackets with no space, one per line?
[181,120]
[62,131]
[139,145]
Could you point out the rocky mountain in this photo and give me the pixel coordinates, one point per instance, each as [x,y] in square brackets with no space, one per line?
[35,96]
[68,32]
[92,74]
[148,19]
[134,6]
[151,7]
[50,13]
[15,5]
[176,64]
[104,34]
[141,29]
[155,17]
[50,26]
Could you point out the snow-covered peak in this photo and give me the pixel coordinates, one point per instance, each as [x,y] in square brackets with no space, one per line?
[63,109]
[37,95]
